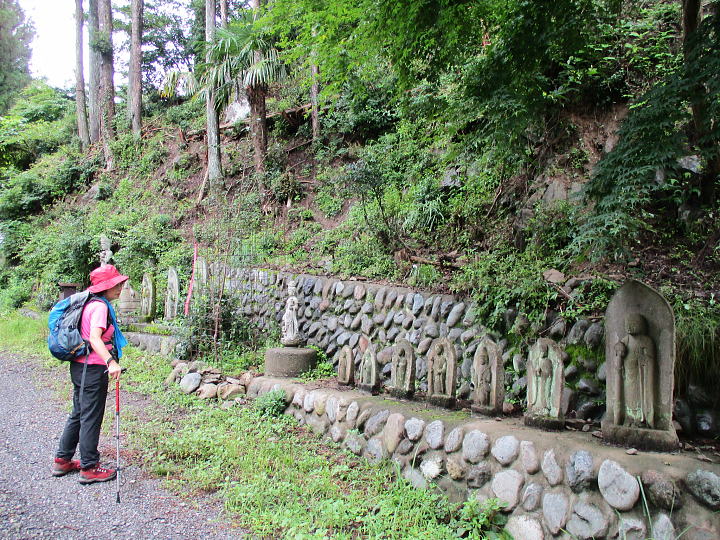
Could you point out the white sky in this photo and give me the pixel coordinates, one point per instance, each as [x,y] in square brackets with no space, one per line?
[53,49]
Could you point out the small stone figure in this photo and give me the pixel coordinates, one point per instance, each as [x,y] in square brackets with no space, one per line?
[640,359]
[402,377]
[172,295]
[147,299]
[546,379]
[635,356]
[442,373]
[369,380]
[128,304]
[291,336]
[346,366]
[201,277]
[105,250]
[488,379]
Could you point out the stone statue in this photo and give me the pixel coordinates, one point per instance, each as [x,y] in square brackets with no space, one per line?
[105,250]
[291,336]
[488,378]
[147,298]
[346,366]
[640,361]
[129,303]
[201,277]
[369,379]
[442,373]
[402,376]
[546,379]
[172,295]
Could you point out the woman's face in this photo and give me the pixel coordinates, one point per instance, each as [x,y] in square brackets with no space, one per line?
[114,293]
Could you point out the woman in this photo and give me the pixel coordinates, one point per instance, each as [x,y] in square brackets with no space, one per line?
[98,327]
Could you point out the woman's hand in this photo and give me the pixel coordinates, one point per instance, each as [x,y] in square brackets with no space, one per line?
[114,369]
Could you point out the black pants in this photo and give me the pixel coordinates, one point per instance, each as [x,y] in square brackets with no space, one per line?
[83,424]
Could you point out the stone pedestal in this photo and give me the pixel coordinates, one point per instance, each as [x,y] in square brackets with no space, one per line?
[289,361]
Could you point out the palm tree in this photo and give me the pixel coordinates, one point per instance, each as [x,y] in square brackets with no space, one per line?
[242,53]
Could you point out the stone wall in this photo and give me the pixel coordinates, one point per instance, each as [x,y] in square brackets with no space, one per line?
[334,313]
[563,485]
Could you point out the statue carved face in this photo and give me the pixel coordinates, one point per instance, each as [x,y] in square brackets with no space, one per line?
[635,324]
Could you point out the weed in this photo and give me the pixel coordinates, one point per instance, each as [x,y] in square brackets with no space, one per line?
[271,404]
[323,370]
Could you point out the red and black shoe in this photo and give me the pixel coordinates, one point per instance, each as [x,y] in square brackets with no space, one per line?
[63,466]
[96,473]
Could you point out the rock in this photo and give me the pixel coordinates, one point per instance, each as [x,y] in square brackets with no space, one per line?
[577,332]
[190,382]
[434,434]
[454,439]
[359,292]
[529,457]
[337,432]
[587,522]
[414,428]
[478,475]
[394,431]
[557,329]
[619,488]
[555,508]
[531,496]
[355,442]
[207,391]
[456,467]
[375,423]
[506,486]
[174,374]
[519,362]
[554,276]
[432,466]
[320,403]
[525,528]
[415,477]
[706,423]
[594,335]
[431,330]
[375,451]
[602,372]
[230,391]
[570,371]
[521,325]
[663,529]
[506,449]
[632,529]
[424,345]
[699,396]
[352,413]
[551,469]
[661,491]
[579,471]
[417,304]
[362,418]
[475,446]
[705,487]
[589,387]
[684,416]
[464,391]
[404,447]
[456,314]
[309,402]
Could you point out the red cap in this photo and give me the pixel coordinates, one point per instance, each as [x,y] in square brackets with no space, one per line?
[104,278]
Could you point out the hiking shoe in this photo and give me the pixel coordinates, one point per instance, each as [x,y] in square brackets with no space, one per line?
[63,466]
[96,473]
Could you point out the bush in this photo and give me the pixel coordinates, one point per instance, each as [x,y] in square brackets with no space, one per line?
[271,404]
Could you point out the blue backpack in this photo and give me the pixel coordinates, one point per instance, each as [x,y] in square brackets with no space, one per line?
[64,340]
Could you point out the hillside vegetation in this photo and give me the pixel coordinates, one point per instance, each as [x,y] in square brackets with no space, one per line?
[466,147]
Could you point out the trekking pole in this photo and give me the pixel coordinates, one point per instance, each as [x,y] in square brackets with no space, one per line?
[117,437]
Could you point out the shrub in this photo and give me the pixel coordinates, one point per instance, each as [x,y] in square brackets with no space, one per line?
[271,404]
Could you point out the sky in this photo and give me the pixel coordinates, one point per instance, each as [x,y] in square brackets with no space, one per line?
[53,49]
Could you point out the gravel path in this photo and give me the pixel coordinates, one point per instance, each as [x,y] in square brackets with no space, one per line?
[34,504]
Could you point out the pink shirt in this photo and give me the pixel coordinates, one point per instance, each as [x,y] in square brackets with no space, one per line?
[95,315]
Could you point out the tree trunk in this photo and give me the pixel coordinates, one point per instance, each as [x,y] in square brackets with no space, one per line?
[314,110]
[80,107]
[107,86]
[94,86]
[258,125]
[213,127]
[135,69]
[224,13]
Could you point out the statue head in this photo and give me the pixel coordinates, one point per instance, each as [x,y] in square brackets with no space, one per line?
[635,324]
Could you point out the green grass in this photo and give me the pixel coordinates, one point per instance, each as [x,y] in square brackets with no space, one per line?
[274,477]
[22,334]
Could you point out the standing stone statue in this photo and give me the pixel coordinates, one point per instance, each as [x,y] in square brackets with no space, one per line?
[369,379]
[201,277]
[488,379]
[291,336]
[129,303]
[346,366]
[172,295]
[442,373]
[546,379]
[105,250]
[402,376]
[640,360]
[147,298]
